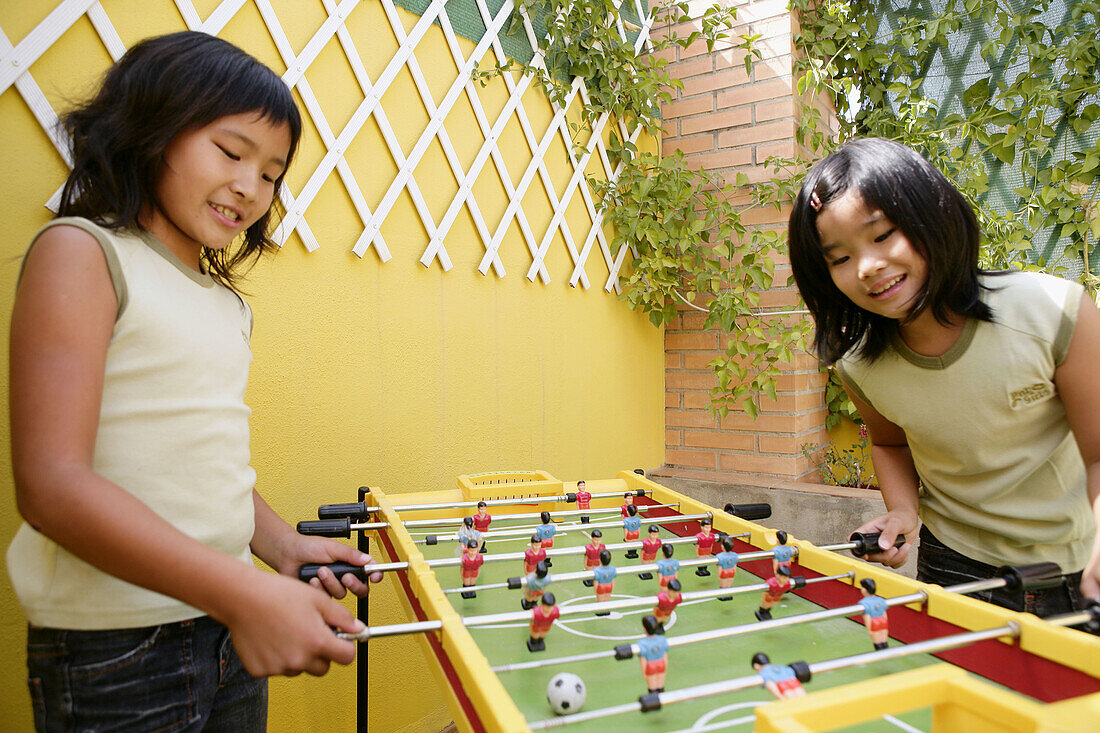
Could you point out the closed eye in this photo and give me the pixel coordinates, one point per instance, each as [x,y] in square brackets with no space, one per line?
[886,235]
[838,261]
[228,154]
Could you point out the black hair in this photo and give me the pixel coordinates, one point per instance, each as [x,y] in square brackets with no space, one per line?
[545,517]
[472,543]
[161,87]
[727,543]
[760,658]
[541,570]
[535,538]
[666,549]
[605,557]
[631,510]
[704,522]
[920,201]
[481,504]
[652,625]
[783,570]
[654,528]
[597,533]
[580,482]
[674,584]
[869,585]
[781,537]
[468,521]
[548,599]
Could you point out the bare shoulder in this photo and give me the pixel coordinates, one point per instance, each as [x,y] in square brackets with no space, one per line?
[67,262]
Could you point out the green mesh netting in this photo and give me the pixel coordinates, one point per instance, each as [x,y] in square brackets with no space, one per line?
[960,64]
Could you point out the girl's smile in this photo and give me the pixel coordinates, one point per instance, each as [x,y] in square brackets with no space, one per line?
[870,260]
[215,182]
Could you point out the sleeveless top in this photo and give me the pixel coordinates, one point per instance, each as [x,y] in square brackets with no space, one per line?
[173,431]
[1002,477]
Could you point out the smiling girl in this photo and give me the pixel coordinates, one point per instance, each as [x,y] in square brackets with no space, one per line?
[130,444]
[978,389]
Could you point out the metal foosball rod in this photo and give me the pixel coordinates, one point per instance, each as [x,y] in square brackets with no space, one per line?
[562,528]
[1022,578]
[306,572]
[606,606]
[804,671]
[361,510]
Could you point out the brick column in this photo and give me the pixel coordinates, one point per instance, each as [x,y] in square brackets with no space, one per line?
[728,121]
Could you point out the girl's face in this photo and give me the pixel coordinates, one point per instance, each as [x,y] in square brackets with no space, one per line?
[216,181]
[871,261]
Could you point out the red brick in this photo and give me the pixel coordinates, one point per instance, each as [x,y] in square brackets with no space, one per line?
[722,159]
[672,399]
[766,111]
[689,106]
[688,145]
[715,121]
[724,440]
[787,403]
[693,320]
[694,341]
[767,132]
[790,444]
[699,359]
[717,81]
[695,66]
[772,423]
[672,437]
[689,419]
[696,400]
[752,93]
[674,361]
[783,149]
[729,58]
[689,380]
[773,465]
[694,458]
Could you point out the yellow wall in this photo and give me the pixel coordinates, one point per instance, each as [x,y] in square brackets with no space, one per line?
[384,374]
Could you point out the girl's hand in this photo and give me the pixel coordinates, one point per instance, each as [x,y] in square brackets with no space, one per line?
[301,549]
[1090,578]
[890,525]
[282,626]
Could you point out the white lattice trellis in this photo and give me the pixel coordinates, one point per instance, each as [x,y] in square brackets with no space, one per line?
[15,64]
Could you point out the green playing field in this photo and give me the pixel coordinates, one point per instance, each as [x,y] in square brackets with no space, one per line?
[613,682]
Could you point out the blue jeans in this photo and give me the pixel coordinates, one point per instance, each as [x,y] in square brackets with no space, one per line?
[939,564]
[184,676]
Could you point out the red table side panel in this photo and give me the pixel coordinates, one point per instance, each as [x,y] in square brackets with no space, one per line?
[1005,664]
[436,644]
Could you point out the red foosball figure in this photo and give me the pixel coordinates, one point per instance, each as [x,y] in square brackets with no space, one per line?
[628,501]
[874,613]
[779,679]
[482,520]
[471,567]
[778,584]
[532,557]
[704,543]
[592,552]
[667,601]
[542,618]
[653,654]
[584,499]
[650,545]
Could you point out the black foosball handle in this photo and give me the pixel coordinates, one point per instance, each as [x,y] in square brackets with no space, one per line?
[801,671]
[1093,607]
[326,527]
[358,510]
[867,542]
[1031,577]
[749,511]
[339,569]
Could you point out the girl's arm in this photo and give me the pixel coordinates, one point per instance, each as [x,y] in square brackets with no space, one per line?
[62,322]
[276,543]
[1076,381]
[898,483]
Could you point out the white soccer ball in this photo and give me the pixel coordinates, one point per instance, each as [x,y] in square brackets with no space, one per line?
[566,693]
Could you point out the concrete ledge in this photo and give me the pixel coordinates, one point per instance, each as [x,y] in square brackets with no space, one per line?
[814,512]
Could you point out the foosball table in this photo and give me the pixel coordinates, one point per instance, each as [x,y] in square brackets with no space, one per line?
[619,604]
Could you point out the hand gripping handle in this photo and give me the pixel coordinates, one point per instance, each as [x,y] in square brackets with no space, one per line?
[339,569]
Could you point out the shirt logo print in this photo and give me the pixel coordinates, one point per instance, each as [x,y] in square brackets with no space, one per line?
[1027,396]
